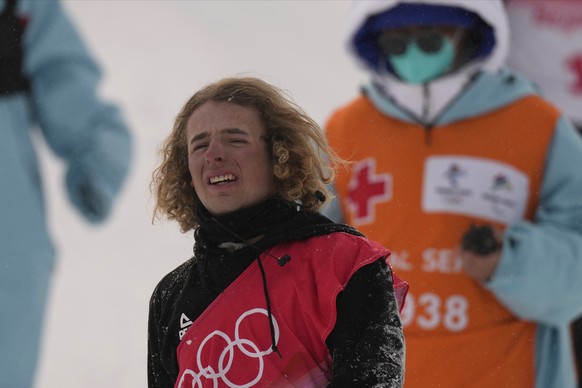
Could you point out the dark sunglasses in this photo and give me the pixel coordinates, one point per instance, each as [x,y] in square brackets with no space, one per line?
[396,43]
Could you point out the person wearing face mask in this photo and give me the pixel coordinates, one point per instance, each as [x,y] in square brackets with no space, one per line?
[471,177]
[420,54]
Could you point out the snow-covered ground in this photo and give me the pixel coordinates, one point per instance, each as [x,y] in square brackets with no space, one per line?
[155,54]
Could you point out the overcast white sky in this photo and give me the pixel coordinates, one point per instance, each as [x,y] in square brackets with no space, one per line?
[155,54]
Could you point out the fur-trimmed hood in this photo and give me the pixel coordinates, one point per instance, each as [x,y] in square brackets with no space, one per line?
[425,102]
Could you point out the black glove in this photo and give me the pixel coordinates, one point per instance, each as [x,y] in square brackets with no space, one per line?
[480,240]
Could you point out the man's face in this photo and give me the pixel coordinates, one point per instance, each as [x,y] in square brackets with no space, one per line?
[228,157]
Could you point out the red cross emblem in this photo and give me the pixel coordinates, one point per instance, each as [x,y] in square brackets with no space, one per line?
[366,189]
[575,65]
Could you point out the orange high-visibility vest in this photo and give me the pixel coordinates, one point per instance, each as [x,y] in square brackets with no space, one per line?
[416,190]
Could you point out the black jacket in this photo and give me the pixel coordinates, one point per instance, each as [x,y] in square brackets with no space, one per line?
[366,344]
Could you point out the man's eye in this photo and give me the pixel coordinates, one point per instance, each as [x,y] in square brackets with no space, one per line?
[237,141]
[199,146]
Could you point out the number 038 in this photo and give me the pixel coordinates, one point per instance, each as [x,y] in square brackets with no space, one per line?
[429,311]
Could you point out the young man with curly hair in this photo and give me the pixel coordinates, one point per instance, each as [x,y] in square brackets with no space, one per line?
[276,294]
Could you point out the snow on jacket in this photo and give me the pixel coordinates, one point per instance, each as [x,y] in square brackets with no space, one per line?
[537,278]
[366,343]
[230,342]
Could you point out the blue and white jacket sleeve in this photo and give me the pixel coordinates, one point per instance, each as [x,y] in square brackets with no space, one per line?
[542,261]
[87,133]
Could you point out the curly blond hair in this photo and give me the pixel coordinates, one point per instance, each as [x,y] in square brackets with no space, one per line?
[303,163]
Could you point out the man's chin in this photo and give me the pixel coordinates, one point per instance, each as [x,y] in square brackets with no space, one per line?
[223,206]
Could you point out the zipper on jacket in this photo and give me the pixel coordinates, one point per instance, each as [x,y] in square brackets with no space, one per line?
[422,121]
[429,125]
[426,114]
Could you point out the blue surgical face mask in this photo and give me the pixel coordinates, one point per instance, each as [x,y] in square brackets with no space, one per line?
[416,66]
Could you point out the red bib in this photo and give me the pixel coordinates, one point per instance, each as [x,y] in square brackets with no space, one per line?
[230,343]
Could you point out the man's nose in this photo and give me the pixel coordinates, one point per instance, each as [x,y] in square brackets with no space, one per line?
[214,152]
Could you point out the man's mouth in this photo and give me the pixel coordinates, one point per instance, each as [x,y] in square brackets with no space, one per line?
[220,179]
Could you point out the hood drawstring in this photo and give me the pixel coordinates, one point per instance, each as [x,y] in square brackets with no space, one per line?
[274,347]
[268,303]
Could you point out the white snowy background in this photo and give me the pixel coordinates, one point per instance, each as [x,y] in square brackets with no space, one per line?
[154,55]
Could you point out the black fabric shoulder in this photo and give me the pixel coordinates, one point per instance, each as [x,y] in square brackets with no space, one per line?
[173,282]
[303,226]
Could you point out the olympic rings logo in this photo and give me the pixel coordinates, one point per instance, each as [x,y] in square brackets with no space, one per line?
[225,361]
